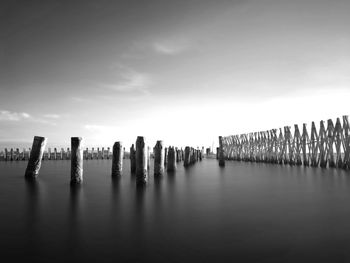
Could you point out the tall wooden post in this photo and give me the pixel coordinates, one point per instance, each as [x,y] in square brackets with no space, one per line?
[117,161]
[221,153]
[76,175]
[35,158]
[141,161]
[159,159]
[132,159]
[165,155]
[171,164]
[148,158]
[187,156]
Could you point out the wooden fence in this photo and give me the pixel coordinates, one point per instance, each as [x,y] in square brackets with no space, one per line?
[327,147]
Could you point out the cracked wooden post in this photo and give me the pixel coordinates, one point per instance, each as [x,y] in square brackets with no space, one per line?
[171,164]
[158,158]
[187,156]
[117,160]
[76,174]
[141,161]
[132,159]
[35,158]
[221,153]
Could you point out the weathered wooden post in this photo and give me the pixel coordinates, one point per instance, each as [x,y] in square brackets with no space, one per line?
[187,156]
[141,161]
[221,153]
[35,158]
[108,149]
[158,159]
[117,163]
[132,159]
[92,153]
[148,158]
[165,155]
[76,174]
[103,153]
[68,154]
[171,164]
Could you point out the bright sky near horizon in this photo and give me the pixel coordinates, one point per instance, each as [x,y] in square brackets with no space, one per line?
[181,71]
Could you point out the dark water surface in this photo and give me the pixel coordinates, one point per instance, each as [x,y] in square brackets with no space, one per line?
[242,213]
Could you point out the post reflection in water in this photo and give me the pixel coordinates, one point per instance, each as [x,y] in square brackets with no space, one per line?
[33,219]
[74,242]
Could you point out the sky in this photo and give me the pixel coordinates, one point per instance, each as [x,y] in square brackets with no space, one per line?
[180,71]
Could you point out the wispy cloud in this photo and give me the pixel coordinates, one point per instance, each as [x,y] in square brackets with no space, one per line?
[94,127]
[170,47]
[52,116]
[13,116]
[129,81]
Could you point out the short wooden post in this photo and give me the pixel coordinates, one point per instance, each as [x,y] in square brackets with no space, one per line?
[35,158]
[76,161]
[221,153]
[132,159]
[117,161]
[103,153]
[108,150]
[141,161]
[158,158]
[171,164]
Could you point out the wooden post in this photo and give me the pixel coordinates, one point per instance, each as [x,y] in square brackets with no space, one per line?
[117,161]
[221,153]
[346,134]
[141,161]
[171,164]
[322,138]
[35,158]
[187,156]
[165,155]
[148,158]
[68,154]
[132,159]
[76,174]
[305,146]
[314,145]
[108,150]
[159,159]
[103,153]
[338,133]
[330,135]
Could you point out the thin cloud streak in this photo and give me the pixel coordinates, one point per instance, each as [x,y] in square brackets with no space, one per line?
[130,81]
[170,47]
[13,116]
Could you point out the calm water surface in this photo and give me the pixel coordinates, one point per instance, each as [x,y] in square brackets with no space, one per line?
[242,213]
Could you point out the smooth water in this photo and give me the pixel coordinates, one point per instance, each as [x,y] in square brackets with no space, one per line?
[245,212]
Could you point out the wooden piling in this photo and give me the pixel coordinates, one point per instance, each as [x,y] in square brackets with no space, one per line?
[141,161]
[117,160]
[171,163]
[132,159]
[35,158]
[221,153]
[158,158]
[187,156]
[76,161]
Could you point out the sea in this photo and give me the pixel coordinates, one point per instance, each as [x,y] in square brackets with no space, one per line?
[243,212]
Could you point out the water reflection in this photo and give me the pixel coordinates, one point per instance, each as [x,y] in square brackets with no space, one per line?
[32,216]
